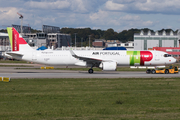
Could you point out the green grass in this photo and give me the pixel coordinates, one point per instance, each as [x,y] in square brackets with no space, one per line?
[92,99]
[12,61]
[16,66]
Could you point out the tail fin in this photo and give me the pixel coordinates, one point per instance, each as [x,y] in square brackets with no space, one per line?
[16,40]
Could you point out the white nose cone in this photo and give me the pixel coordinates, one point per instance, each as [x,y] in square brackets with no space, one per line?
[173,60]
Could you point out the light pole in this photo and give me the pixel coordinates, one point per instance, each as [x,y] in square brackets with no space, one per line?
[89,39]
[81,41]
[75,40]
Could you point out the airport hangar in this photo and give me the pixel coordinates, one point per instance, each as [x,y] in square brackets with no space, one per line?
[162,41]
[146,41]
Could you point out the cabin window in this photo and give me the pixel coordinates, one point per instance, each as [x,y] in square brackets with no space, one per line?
[167,55]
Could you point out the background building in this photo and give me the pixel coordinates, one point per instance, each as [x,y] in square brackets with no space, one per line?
[50,37]
[99,43]
[57,40]
[25,29]
[146,41]
[116,43]
[4,43]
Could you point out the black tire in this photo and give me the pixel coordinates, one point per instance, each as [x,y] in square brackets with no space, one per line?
[166,71]
[153,71]
[90,71]
[148,71]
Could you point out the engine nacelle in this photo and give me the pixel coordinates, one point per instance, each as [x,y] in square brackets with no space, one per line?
[109,66]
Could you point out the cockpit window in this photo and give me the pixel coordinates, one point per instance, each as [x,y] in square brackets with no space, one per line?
[167,55]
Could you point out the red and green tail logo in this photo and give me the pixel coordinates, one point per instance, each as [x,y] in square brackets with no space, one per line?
[15,39]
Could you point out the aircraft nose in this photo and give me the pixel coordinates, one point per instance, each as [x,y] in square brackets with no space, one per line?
[174,60]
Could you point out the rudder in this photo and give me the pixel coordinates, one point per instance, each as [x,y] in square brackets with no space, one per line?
[16,40]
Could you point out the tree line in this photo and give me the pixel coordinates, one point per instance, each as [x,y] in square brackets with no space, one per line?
[84,34]
[110,34]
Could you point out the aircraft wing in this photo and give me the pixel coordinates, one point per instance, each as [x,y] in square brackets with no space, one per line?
[89,59]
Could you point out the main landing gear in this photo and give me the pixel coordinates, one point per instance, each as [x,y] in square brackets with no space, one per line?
[90,71]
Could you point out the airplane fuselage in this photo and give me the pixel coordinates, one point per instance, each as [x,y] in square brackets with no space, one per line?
[124,58]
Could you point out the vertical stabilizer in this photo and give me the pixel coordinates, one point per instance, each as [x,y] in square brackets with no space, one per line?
[16,40]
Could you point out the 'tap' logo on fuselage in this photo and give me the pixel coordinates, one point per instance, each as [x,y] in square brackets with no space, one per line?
[139,57]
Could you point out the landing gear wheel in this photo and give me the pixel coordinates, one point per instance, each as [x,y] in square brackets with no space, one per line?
[166,71]
[153,71]
[148,71]
[90,71]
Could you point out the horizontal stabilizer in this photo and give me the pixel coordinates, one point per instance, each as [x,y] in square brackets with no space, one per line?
[15,54]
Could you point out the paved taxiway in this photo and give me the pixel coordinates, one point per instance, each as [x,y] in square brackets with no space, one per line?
[37,73]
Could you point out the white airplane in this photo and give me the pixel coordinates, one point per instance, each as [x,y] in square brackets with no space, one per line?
[104,59]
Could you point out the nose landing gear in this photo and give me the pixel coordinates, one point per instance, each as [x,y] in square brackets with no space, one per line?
[90,71]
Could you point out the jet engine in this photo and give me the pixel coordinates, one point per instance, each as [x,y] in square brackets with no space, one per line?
[108,66]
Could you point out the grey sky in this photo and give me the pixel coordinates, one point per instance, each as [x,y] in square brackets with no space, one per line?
[96,14]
